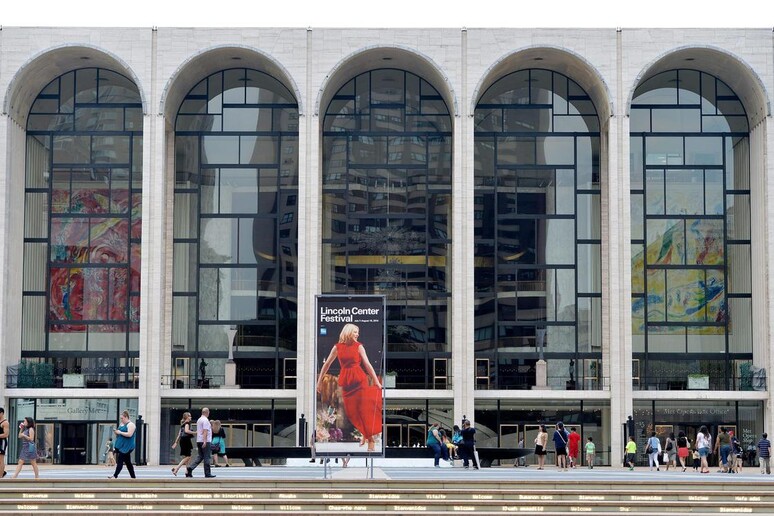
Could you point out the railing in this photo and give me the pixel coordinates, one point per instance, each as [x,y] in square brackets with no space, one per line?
[683,382]
[86,378]
[528,382]
[192,382]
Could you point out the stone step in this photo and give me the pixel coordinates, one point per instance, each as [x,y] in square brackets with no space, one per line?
[155,496]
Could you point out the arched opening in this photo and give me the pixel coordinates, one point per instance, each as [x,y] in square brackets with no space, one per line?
[386,212]
[235,232]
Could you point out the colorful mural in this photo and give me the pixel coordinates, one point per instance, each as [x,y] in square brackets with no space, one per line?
[676,294]
[98,289]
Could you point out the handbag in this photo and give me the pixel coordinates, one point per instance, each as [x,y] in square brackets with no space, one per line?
[665,457]
[648,449]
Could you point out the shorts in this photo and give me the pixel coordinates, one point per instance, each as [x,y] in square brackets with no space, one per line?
[3,446]
[561,451]
[704,452]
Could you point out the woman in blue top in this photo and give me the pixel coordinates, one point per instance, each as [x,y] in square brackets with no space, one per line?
[124,445]
[434,443]
[560,443]
[654,447]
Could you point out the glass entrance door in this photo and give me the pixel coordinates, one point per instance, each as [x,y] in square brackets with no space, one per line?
[509,438]
[74,443]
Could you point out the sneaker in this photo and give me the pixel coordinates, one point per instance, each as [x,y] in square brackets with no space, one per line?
[188,472]
[631,468]
[209,476]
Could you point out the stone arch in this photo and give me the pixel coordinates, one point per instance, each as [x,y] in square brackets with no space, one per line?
[556,59]
[731,69]
[398,57]
[212,60]
[49,64]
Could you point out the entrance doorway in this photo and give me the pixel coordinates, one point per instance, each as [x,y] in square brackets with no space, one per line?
[74,443]
[691,429]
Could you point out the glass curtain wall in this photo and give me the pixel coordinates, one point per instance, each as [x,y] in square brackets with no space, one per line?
[82,229]
[387,147]
[235,232]
[691,258]
[538,287]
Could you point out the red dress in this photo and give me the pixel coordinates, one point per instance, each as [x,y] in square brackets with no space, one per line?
[574,440]
[362,402]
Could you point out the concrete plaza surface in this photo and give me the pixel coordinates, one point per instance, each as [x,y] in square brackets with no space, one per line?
[304,470]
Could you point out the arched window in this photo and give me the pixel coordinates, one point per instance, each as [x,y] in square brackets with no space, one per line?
[82,225]
[690,205]
[236,230]
[538,289]
[386,209]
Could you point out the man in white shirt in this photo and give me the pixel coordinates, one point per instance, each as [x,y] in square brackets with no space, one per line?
[203,440]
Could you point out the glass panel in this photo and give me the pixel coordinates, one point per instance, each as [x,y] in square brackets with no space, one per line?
[589,217]
[713,192]
[664,150]
[739,269]
[676,120]
[684,192]
[704,150]
[661,89]
[665,241]
[589,267]
[220,149]
[738,217]
[704,243]
[637,218]
[654,191]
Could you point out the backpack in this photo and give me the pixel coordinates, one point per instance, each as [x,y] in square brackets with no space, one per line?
[457,438]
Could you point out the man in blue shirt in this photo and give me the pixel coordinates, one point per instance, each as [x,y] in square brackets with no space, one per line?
[764,454]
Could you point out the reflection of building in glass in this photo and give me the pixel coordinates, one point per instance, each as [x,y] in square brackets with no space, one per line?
[605,193]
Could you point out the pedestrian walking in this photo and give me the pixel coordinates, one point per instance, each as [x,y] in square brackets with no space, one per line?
[764,454]
[653,450]
[631,452]
[683,449]
[670,447]
[124,446]
[203,443]
[110,459]
[4,433]
[703,443]
[736,455]
[591,451]
[28,452]
[573,441]
[218,443]
[723,447]
[185,440]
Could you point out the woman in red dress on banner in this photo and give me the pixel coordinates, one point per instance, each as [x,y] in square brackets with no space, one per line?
[362,402]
